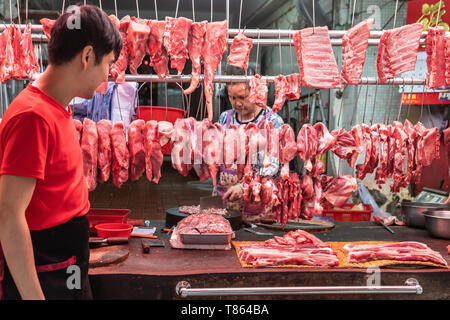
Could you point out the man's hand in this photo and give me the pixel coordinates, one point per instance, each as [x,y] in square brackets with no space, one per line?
[447,201]
[233,193]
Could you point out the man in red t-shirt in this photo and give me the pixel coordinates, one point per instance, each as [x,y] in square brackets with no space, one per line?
[43,193]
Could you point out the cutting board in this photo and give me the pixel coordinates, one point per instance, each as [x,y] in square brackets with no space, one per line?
[314,225]
[108,255]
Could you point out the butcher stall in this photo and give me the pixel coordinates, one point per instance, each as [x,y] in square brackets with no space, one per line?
[357,123]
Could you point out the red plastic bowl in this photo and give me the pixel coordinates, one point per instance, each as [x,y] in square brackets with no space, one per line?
[106,230]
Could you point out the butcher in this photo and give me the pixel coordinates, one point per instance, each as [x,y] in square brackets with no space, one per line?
[242,113]
[44,199]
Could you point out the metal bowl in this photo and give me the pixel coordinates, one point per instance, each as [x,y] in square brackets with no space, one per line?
[437,222]
[412,212]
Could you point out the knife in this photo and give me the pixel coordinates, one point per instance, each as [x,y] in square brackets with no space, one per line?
[211,202]
[96,241]
[383,224]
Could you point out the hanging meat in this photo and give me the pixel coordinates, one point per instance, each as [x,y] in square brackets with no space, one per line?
[287,148]
[212,145]
[104,128]
[447,59]
[318,67]
[176,41]
[435,48]
[338,190]
[281,91]
[397,51]
[293,86]
[325,139]
[182,145]
[195,43]
[6,55]
[136,148]
[47,26]
[307,143]
[28,62]
[137,38]
[381,172]
[120,154]
[258,91]
[119,68]
[89,150]
[354,49]
[230,145]
[79,129]
[240,51]
[346,146]
[159,59]
[214,47]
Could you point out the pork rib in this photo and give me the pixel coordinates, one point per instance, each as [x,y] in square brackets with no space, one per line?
[354,46]
[316,61]
[119,68]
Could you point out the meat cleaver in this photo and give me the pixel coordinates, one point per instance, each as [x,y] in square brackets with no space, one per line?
[211,202]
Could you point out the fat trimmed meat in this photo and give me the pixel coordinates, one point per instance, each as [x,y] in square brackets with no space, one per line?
[159,59]
[136,148]
[214,47]
[258,91]
[89,150]
[104,128]
[195,44]
[120,154]
[176,41]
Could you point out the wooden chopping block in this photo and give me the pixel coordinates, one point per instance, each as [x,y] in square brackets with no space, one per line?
[108,255]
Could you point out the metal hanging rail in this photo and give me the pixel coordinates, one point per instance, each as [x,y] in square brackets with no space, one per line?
[231,79]
[184,290]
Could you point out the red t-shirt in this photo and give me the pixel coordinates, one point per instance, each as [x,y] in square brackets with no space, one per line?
[38,139]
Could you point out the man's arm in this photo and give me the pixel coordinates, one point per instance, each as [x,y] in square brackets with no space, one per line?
[15,195]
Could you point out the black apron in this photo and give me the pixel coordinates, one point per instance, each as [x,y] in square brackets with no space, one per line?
[61,256]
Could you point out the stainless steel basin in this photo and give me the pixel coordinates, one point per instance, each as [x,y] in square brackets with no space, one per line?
[437,222]
[412,212]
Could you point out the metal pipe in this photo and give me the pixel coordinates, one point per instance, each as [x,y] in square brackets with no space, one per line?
[261,42]
[230,79]
[184,290]
[265,33]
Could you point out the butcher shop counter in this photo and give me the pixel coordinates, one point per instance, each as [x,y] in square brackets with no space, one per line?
[157,274]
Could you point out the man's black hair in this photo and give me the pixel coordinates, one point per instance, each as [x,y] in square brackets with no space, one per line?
[95,29]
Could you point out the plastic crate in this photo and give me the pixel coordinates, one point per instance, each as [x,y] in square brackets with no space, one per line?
[98,216]
[345,213]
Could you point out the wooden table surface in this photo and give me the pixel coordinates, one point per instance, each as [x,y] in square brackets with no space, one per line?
[155,275]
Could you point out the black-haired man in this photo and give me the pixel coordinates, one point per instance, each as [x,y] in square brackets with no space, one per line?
[43,194]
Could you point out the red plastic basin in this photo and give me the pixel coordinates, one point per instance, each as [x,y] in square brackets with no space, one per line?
[106,230]
[148,113]
[98,216]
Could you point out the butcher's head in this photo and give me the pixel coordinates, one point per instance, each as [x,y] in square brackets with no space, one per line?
[85,43]
[239,94]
